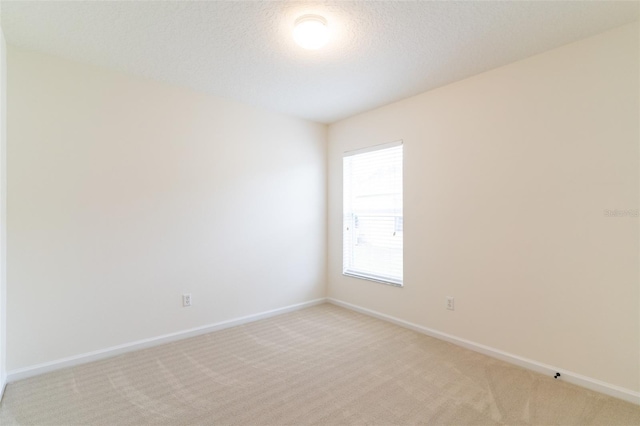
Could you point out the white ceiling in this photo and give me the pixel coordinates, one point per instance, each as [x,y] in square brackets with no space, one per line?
[379,52]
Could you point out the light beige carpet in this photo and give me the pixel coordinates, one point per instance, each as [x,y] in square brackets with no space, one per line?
[322,365]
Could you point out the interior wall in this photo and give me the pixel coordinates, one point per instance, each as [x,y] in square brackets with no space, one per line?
[3,211]
[508,177]
[125,193]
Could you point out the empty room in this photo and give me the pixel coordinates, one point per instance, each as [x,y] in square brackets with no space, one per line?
[203,206]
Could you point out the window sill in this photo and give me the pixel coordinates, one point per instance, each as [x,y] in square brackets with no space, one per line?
[373,278]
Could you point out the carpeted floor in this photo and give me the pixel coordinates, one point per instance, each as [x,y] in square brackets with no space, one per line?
[322,365]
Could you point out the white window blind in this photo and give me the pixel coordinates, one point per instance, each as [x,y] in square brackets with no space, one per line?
[372,216]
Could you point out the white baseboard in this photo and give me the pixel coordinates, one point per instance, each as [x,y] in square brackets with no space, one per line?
[567,376]
[74,360]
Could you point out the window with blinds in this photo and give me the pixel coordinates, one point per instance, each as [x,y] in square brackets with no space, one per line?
[372,213]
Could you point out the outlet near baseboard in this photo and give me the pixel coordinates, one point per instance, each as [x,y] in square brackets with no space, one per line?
[186,299]
[450,304]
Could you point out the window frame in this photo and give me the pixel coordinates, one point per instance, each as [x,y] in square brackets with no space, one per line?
[365,275]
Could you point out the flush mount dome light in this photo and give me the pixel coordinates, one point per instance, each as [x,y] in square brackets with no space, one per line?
[311,32]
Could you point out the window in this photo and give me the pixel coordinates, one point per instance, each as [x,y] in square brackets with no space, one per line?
[372,213]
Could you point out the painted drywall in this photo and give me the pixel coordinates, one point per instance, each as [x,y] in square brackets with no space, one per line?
[3,212]
[507,178]
[124,193]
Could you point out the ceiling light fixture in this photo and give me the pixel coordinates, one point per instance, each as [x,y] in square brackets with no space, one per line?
[311,31]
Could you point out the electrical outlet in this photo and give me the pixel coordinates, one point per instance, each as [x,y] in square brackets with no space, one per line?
[450,304]
[186,299]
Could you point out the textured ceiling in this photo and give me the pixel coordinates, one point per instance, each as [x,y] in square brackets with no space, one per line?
[379,52]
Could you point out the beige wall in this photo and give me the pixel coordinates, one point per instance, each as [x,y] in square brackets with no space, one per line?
[125,193]
[507,176]
[3,210]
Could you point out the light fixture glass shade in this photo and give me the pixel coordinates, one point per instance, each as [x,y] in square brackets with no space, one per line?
[311,32]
